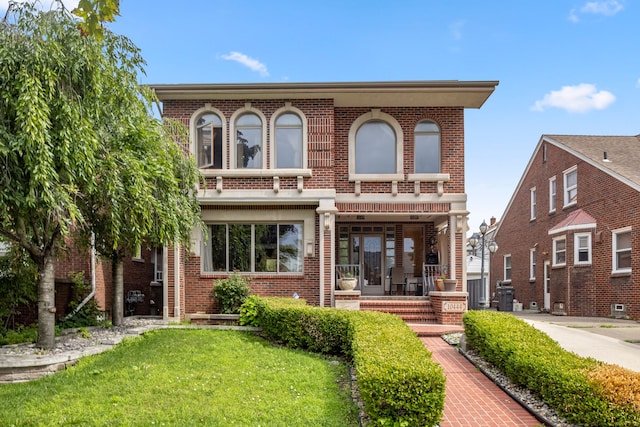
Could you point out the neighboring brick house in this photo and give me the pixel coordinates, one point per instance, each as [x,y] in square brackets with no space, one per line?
[306,181]
[568,240]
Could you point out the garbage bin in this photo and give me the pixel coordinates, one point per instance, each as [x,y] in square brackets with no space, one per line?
[505,298]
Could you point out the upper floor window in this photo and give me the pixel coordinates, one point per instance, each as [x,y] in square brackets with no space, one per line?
[552,194]
[560,251]
[289,141]
[375,148]
[582,248]
[249,147]
[621,243]
[427,147]
[209,141]
[532,195]
[571,186]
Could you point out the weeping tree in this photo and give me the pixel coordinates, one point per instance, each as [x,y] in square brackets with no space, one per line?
[146,196]
[71,120]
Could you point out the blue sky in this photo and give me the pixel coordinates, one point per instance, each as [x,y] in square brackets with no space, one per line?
[564,67]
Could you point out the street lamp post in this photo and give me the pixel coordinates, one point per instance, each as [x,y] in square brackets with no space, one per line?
[491,245]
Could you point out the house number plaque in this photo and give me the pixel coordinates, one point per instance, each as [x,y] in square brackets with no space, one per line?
[454,306]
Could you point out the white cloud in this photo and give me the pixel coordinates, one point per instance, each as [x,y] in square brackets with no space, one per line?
[638,83]
[576,99]
[456,29]
[605,8]
[248,62]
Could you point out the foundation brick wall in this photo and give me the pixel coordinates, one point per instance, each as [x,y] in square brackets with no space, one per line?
[585,290]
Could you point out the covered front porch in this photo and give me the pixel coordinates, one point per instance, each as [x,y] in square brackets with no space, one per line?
[393,263]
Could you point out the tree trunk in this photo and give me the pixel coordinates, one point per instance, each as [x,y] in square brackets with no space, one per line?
[47,302]
[117,277]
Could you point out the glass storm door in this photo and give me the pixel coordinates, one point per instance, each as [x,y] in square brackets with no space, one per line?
[368,253]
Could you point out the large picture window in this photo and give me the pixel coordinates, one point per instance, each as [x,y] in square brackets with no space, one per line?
[271,248]
[209,141]
[427,147]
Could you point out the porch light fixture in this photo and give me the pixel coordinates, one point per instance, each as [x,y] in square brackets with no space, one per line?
[476,239]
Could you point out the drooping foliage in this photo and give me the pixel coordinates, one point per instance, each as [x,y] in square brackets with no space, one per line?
[80,149]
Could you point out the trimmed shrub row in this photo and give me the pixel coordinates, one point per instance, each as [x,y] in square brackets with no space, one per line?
[564,380]
[399,383]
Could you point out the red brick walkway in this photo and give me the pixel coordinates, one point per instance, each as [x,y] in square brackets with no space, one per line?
[472,399]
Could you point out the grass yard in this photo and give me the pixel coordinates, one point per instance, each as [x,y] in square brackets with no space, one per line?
[195,377]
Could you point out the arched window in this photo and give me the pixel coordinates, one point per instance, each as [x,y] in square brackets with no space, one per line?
[289,143]
[249,141]
[427,147]
[209,141]
[375,148]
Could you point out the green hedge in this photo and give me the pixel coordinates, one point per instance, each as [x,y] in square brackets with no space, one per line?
[399,383]
[530,358]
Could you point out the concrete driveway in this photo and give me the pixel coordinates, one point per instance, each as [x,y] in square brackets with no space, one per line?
[614,341]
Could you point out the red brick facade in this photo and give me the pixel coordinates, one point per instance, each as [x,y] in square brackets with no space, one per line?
[577,289]
[322,193]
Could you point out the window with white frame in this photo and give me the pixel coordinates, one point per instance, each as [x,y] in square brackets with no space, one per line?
[288,141]
[270,248]
[560,251]
[532,196]
[582,248]
[552,194]
[507,268]
[209,141]
[532,264]
[427,147]
[621,243]
[571,186]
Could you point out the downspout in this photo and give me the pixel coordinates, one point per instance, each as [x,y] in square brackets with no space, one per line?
[93,279]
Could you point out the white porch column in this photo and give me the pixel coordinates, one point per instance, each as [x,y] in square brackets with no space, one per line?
[326,222]
[453,262]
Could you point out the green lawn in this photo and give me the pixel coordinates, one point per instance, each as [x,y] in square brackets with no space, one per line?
[196,377]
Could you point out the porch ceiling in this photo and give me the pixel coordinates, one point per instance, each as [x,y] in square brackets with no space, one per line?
[419,218]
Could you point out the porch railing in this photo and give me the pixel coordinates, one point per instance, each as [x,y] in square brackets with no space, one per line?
[344,271]
[431,272]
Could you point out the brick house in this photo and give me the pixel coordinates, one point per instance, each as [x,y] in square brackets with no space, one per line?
[306,183]
[568,240]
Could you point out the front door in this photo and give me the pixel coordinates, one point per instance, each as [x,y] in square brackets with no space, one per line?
[547,291]
[368,254]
